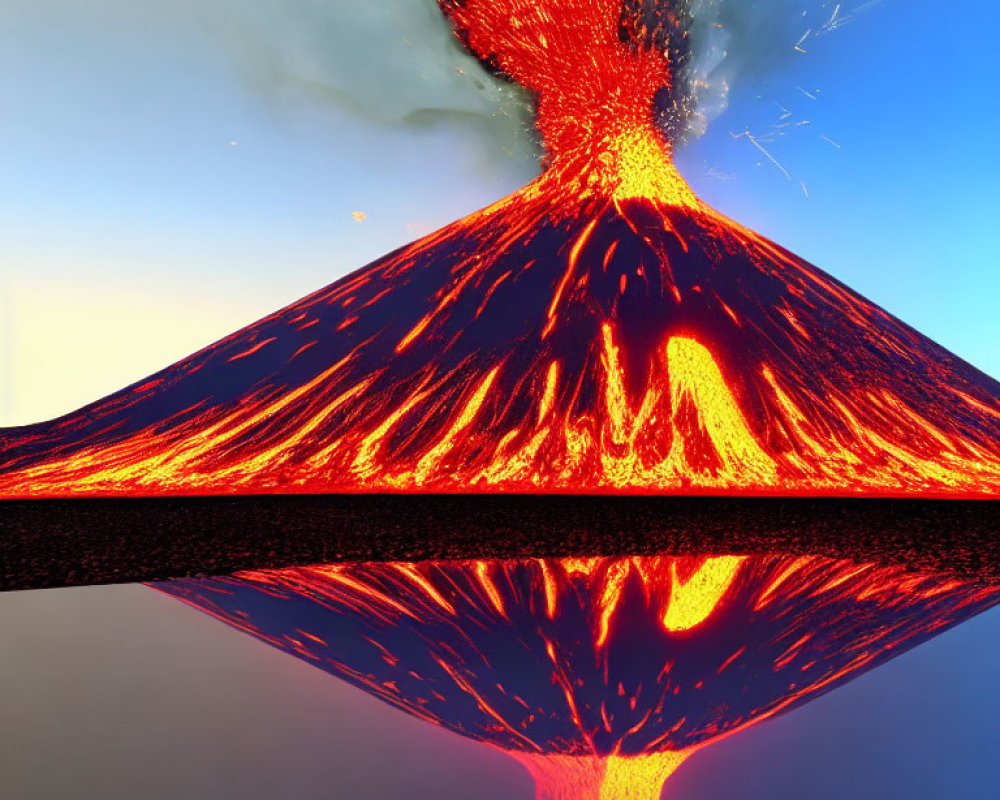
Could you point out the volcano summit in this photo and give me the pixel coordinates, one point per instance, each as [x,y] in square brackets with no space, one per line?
[600,330]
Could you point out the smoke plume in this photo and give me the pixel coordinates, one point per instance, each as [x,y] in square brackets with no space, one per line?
[397,62]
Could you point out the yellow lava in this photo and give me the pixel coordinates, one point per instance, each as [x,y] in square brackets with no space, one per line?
[559,777]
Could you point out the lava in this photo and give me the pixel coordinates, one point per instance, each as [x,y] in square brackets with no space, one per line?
[600,675]
[599,330]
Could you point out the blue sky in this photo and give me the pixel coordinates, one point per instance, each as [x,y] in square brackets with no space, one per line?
[132,230]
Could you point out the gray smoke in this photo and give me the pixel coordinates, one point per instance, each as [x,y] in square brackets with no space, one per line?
[396,62]
[387,62]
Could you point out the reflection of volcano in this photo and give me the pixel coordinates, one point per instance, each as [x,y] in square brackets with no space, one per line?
[601,675]
[599,330]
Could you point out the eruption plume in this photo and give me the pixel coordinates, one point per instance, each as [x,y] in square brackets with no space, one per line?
[322,53]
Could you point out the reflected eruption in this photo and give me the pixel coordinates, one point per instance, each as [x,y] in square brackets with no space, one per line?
[600,675]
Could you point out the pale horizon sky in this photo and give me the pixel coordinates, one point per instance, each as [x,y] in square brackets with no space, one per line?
[153,198]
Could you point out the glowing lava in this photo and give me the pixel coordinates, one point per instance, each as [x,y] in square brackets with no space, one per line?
[601,675]
[600,330]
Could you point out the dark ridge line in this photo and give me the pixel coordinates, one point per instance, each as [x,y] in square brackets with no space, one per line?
[47,543]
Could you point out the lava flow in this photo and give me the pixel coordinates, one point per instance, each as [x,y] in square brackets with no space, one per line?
[600,675]
[600,330]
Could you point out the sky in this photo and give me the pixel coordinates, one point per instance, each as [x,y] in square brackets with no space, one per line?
[171,171]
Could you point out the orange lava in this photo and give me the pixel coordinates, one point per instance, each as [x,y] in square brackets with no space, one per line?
[600,778]
[595,94]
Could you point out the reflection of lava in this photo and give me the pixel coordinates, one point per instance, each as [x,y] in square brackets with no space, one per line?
[599,330]
[602,672]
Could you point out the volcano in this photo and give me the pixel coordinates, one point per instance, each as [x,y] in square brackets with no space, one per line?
[600,330]
[600,675]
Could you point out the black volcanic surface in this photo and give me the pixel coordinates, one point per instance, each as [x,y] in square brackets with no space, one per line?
[67,542]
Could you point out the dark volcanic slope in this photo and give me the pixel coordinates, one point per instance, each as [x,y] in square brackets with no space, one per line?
[600,330]
[627,344]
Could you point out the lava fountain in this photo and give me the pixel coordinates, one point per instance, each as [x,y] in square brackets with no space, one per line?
[600,675]
[600,330]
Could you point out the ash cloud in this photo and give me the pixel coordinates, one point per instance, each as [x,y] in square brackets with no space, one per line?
[386,62]
[397,63]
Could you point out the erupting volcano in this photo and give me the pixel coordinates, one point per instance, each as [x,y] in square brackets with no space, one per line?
[600,330]
[600,675]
